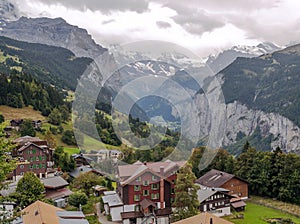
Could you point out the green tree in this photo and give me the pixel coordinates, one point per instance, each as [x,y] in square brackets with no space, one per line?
[50,139]
[86,181]
[65,113]
[77,199]
[186,200]
[29,189]
[68,137]
[62,160]
[7,164]
[27,128]
[55,117]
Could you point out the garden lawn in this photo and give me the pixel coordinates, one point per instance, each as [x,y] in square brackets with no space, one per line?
[257,214]
[71,151]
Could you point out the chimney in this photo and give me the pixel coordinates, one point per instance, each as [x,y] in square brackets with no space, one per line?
[161,171]
[162,193]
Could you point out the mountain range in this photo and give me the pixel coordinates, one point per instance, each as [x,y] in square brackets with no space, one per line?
[259,83]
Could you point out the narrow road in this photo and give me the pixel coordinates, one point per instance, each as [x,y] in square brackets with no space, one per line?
[102,218]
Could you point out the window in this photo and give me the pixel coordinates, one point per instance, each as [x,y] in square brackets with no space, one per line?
[138,179]
[34,151]
[172,191]
[21,166]
[31,159]
[154,177]
[22,174]
[146,182]
[41,158]
[174,181]
[136,197]
[37,158]
[145,192]
[154,186]
[155,196]
[137,208]
[137,187]
[41,166]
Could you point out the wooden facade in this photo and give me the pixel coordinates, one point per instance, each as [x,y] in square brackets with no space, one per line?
[32,158]
[237,187]
[217,203]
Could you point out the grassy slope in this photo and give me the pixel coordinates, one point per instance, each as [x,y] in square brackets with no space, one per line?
[28,113]
[21,113]
[257,214]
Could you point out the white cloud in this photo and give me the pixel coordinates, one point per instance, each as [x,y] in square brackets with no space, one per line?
[201,26]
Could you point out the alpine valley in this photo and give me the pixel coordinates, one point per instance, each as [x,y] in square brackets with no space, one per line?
[260,83]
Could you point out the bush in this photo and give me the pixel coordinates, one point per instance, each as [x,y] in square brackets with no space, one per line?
[77,199]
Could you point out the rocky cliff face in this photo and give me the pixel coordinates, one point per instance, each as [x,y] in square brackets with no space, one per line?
[55,32]
[240,119]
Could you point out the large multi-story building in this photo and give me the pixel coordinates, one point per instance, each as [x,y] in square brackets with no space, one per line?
[32,154]
[153,181]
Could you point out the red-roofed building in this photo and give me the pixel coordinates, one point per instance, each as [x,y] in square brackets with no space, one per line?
[153,181]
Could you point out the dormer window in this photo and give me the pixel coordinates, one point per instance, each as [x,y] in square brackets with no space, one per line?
[154,177]
[146,182]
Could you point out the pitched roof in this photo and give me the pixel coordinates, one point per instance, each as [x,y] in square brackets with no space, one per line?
[145,203]
[54,182]
[60,193]
[203,218]
[215,178]
[112,200]
[238,204]
[203,194]
[70,214]
[73,221]
[40,213]
[130,172]
[26,139]
[140,171]
[43,213]
[167,165]
[10,188]
[79,170]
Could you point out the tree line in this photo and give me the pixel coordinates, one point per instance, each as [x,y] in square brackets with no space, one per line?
[19,90]
[270,174]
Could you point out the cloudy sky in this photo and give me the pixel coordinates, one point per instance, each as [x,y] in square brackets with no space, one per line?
[203,26]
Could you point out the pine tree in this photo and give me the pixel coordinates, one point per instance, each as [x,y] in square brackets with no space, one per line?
[186,200]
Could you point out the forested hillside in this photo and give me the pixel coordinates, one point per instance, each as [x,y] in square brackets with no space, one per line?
[53,65]
[269,83]
[19,90]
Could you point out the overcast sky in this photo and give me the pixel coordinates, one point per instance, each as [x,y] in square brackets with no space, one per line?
[203,26]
